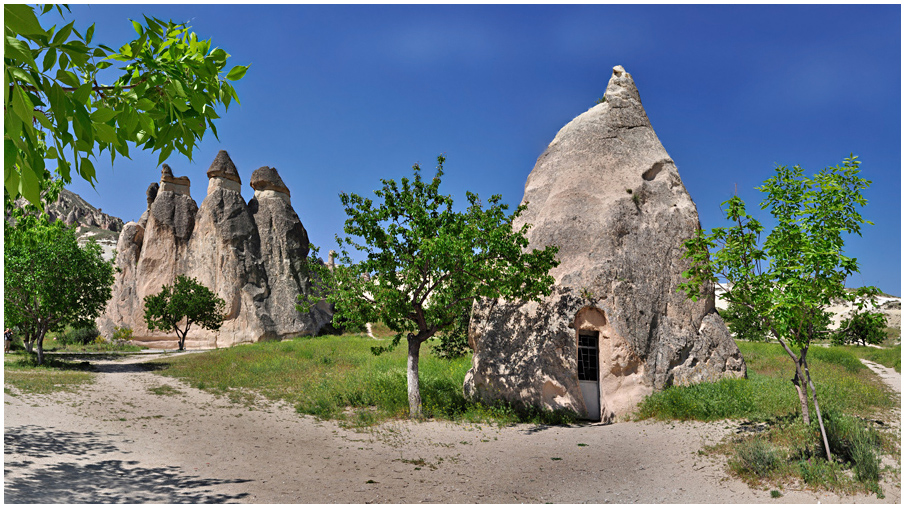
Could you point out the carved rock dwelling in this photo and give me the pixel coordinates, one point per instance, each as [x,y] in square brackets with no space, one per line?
[615,329]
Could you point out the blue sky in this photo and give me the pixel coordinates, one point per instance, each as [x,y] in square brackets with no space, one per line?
[338,97]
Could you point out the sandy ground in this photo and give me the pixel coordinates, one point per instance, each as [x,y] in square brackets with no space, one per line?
[117,442]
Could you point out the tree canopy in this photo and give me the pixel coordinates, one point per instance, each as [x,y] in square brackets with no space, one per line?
[49,280]
[785,282]
[166,85]
[866,327]
[425,263]
[187,300]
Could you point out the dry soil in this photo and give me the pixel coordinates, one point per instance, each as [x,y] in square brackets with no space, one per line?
[123,439]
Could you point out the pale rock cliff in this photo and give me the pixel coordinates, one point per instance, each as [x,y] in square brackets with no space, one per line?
[607,193]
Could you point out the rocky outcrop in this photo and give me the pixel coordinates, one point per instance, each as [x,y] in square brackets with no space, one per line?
[607,193]
[251,255]
[73,210]
[91,223]
[285,252]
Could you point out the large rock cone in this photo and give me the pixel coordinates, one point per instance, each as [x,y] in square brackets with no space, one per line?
[224,254]
[607,193]
[259,272]
[284,253]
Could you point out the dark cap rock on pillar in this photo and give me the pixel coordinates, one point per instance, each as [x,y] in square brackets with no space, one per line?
[223,174]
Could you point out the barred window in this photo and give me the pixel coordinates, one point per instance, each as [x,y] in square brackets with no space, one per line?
[588,355]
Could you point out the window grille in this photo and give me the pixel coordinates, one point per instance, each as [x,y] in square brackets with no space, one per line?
[588,356]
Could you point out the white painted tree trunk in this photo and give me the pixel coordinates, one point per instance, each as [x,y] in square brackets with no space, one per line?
[415,396]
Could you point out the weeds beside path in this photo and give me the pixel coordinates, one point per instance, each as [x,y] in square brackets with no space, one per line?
[135,436]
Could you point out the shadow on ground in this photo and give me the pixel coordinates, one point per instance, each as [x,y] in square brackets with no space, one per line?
[95,480]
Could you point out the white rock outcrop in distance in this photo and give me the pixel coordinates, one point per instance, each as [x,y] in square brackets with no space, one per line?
[251,255]
[607,193]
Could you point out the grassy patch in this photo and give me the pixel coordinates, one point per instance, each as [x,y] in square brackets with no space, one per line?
[787,449]
[843,383]
[889,357]
[22,373]
[337,377]
[791,451]
[164,390]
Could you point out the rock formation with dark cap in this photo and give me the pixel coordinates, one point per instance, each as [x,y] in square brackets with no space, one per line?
[267,179]
[258,269]
[607,193]
[284,249]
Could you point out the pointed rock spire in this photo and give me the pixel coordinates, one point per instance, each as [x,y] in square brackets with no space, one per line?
[223,167]
[610,197]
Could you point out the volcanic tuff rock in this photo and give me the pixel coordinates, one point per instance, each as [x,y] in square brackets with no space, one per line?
[91,223]
[607,193]
[253,260]
[72,209]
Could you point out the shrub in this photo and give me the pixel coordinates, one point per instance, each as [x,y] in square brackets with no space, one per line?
[744,323]
[80,336]
[757,457]
[865,327]
[818,472]
[121,335]
[854,441]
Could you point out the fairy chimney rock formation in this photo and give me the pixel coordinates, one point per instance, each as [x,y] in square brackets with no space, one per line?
[267,179]
[168,182]
[252,255]
[223,173]
[615,328]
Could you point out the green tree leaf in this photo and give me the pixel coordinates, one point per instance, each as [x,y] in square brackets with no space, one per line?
[236,73]
[21,19]
[163,70]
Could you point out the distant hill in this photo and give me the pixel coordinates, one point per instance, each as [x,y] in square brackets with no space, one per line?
[887,304]
[90,221]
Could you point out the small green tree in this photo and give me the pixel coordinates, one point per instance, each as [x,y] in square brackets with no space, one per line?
[169,84]
[864,327]
[425,263]
[185,300]
[800,269]
[50,281]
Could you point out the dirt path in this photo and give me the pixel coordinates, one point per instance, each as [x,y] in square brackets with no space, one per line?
[888,375]
[117,441]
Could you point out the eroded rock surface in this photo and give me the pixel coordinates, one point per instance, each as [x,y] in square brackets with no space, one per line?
[257,268]
[608,194]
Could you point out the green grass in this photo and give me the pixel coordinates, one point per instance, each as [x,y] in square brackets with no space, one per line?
[50,345]
[889,357]
[847,391]
[843,383]
[21,372]
[164,390]
[339,378]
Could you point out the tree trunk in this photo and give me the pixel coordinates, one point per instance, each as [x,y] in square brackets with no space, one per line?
[39,342]
[801,390]
[817,409]
[415,396]
[40,345]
